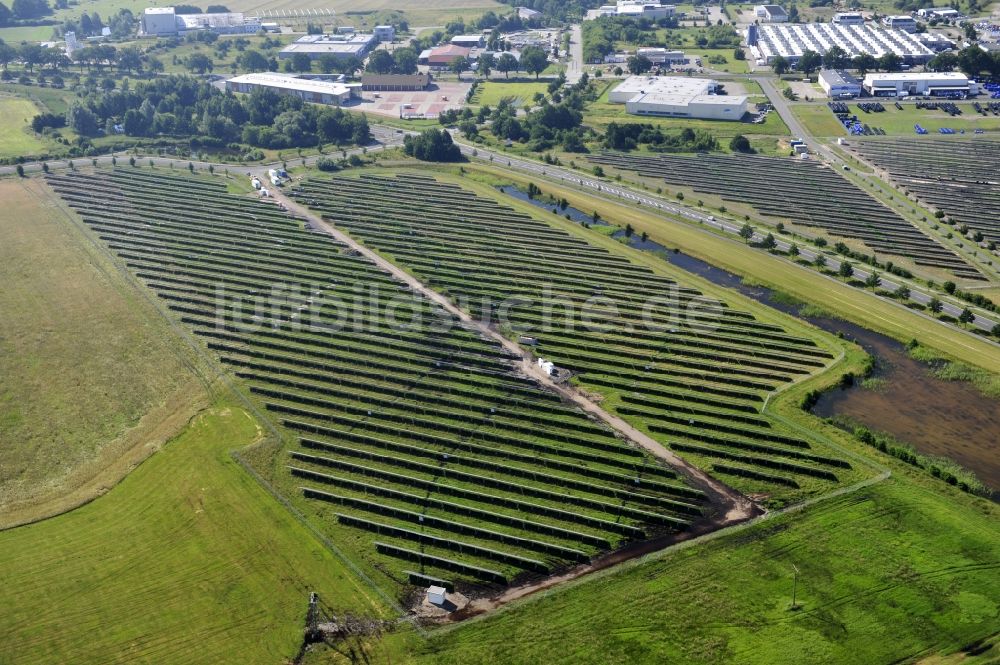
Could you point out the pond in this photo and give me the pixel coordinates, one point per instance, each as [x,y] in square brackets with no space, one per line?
[950,419]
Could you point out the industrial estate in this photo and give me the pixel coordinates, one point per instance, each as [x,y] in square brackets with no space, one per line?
[471,332]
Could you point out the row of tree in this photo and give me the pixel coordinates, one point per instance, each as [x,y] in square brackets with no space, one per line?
[972,60]
[23,10]
[181,106]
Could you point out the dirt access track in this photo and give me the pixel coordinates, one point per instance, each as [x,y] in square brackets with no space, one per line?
[726,506]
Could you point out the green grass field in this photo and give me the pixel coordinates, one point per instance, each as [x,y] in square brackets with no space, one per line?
[16,137]
[187,560]
[490,93]
[820,121]
[732,65]
[93,379]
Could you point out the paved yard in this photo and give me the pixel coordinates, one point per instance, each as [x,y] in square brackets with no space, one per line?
[424,103]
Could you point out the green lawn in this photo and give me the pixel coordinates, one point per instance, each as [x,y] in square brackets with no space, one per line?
[16,137]
[187,560]
[818,119]
[93,379]
[892,573]
[732,65]
[491,92]
[821,121]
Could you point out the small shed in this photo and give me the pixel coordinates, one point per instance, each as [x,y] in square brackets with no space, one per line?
[436,595]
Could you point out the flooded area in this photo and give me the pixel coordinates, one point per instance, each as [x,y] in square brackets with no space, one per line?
[937,417]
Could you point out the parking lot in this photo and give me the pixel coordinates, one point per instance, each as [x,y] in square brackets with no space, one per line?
[423,103]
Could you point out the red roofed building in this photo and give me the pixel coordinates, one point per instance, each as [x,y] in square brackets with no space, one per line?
[442,56]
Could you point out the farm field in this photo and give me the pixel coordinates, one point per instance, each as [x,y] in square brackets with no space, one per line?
[411,439]
[490,93]
[16,137]
[956,175]
[93,379]
[815,196]
[897,572]
[187,560]
[601,113]
[894,121]
[653,371]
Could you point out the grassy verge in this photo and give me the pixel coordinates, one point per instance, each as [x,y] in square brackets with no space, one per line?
[188,559]
[16,137]
[94,380]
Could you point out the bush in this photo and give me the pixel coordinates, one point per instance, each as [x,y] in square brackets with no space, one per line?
[326,164]
[432,145]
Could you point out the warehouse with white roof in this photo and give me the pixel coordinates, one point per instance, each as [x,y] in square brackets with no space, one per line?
[790,41]
[310,90]
[678,97]
[934,84]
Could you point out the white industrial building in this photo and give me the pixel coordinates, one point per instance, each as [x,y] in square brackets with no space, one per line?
[940,84]
[901,22]
[356,45]
[770,13]
[310,90]
[849,18]
[662,56]
[384,33]
[528,14]
[646,9]
[838,84]
[677,96]
[945,13]
[163,21]
[790,41]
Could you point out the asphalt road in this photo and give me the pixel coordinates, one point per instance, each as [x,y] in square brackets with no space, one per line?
[574,70]
[710,221]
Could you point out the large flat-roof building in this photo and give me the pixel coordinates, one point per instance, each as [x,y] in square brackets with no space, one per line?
[945,13]
[849,18]
[469,41]
[162,21]
[790,41]
[678,97]
[647,9]
[159,21]
[662,56]
[441,57]
[839,84]
[901,22]
[354,45]
[395,82]
[934,84]
[770,13]
[310,90]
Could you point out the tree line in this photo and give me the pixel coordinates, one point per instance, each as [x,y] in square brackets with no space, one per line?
[184,107]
